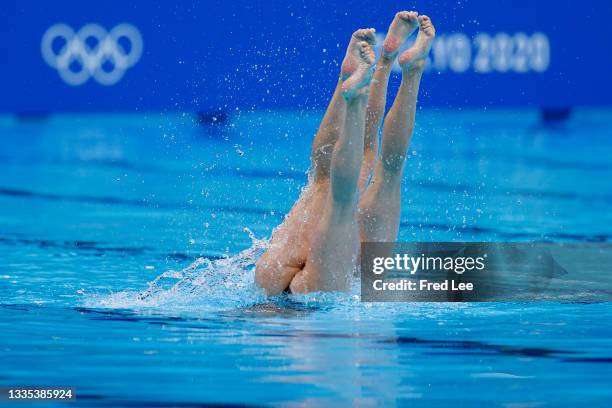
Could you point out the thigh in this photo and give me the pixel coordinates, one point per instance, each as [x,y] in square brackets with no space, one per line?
[332,256]
[379,209]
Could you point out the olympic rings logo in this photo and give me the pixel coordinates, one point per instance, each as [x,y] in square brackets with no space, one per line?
[91,52]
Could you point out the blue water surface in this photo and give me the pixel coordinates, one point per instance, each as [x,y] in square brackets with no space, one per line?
[94,207]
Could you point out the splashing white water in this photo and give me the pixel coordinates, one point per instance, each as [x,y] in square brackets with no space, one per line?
[229,283]
[209,284]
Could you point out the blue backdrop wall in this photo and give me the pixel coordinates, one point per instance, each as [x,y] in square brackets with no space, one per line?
[203,56]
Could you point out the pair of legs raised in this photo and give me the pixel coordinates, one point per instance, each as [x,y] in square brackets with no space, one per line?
[354,192]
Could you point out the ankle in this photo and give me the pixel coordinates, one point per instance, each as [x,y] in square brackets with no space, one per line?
[386,60]
[358,99]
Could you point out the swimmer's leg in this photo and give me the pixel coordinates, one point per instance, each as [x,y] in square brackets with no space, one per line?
[275,270]
[333,252]
[333,121]
[404,23]
[289,247]
[380,206]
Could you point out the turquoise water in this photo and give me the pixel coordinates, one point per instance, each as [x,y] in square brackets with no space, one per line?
[93,208]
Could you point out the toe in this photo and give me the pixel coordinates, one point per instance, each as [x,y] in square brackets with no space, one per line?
[363,45]
[427,25]
[366,50]
[371,57]
[409,16]
[371,36]
[366,34]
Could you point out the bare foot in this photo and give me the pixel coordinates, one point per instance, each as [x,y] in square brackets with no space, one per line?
[415,56]
[404,24]
[351,60]
[358,63]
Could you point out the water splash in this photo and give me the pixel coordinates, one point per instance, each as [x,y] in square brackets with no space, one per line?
[219,284]
[229,283]
[207,284]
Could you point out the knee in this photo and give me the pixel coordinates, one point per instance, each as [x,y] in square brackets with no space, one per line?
[393,163]
[344,185]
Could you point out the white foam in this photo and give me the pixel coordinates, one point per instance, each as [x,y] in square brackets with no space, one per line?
[207,284]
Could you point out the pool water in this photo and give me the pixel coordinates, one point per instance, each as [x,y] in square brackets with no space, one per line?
[95,207]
